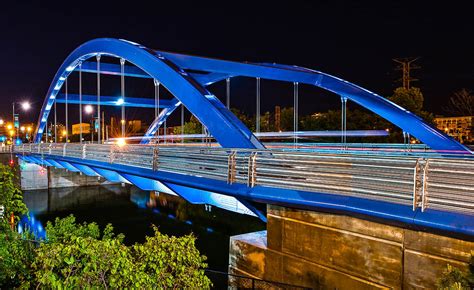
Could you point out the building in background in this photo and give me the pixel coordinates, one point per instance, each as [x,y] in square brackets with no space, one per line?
[76,128]
[460,128]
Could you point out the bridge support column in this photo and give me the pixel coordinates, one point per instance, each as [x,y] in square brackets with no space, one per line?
[328,251]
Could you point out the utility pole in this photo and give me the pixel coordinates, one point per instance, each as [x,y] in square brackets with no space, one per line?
[406,65]
[277,118]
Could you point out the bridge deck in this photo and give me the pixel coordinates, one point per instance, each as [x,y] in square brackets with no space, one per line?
[426,191]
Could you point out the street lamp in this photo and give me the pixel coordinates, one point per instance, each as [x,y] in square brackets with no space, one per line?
[25,106]
[88,109]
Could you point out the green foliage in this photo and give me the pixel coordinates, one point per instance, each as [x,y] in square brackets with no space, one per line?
[16,257]
[82,259]
[410,99]
[16,254]
[81,256]
[193,126]
[170,262]
[453,279]
[11,197]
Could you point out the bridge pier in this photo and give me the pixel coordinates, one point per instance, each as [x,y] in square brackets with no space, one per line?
[328,251]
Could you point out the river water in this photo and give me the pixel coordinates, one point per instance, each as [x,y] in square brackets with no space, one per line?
[132,211]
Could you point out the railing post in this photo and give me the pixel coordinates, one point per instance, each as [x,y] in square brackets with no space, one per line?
[64,149]
[252,170]
[424,195]
[49,149]
[416,183]
[84,151]
[231,164]
[112,154]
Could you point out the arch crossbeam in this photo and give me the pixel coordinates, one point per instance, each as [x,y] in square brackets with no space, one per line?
[73,99]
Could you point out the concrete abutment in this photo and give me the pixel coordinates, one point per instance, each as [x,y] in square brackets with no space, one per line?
[329,251]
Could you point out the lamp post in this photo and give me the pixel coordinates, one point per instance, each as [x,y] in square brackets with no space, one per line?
[88,109]
[25,106]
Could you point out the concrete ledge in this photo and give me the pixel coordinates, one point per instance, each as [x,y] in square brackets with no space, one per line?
[332,251]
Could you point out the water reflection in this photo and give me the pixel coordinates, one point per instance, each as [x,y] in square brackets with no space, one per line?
[132,211]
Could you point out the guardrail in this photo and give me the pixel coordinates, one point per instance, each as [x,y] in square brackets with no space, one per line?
[437,183]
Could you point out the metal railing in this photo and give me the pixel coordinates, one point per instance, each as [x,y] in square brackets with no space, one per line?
[419,182]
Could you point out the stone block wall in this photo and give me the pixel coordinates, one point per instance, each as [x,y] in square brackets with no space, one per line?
[328,251]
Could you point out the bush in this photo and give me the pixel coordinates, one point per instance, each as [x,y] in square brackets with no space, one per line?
[16,257]
[79,255]
[11,196]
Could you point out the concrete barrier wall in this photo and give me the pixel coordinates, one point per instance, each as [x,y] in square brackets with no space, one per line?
[327,251]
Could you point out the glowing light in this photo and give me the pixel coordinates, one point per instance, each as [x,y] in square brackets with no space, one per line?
[122,121]
[1,121]
[64,132]
[12,132]
[9,126]
[26,106]
[29,129]
[22,128]
[120,101]
[88,109]
[121,142]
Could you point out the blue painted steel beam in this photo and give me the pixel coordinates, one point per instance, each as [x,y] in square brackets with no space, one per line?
[392,112]
[67,166]
[132,71]
[113,69]
[156,124]
[85,169]
[112,101]
[199,196]
[147,183]
[447,222]
[110,175]
[226,128]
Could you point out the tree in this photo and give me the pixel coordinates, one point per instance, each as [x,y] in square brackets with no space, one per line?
[193,126]
[16,257]
[11,196]
[286,119]
[170,262]
[81,256]
[410,99]
[461,104]
[16,254]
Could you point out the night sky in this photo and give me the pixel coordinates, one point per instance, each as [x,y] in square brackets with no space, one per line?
[354,40]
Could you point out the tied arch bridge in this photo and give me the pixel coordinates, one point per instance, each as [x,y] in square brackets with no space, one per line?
[429,190]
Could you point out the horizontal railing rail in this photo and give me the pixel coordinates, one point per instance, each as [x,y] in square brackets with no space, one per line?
[419,182]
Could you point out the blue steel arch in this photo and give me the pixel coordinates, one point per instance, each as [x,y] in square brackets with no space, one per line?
[409,122]
[228,130]
[169,69]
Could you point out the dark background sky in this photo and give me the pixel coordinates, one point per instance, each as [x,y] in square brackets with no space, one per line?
[355,40]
